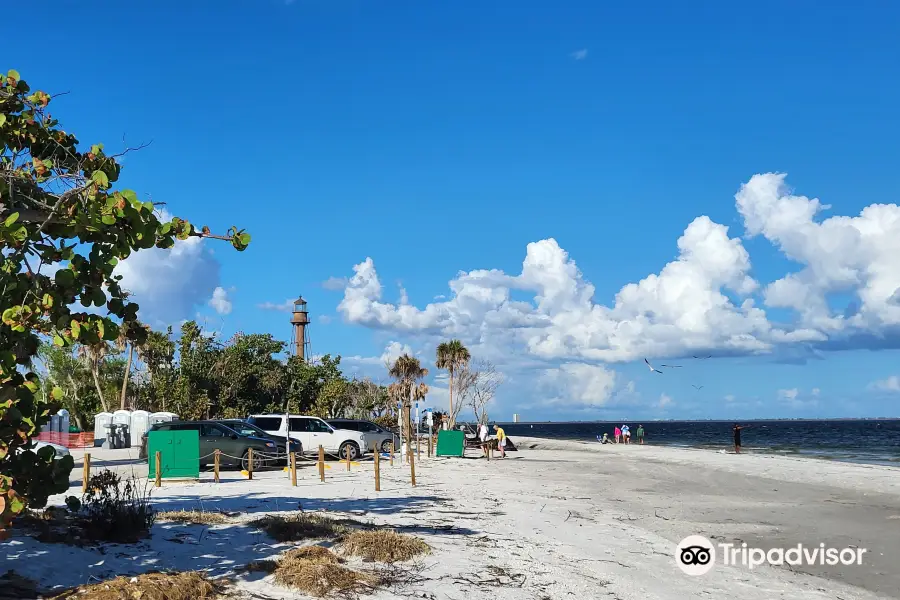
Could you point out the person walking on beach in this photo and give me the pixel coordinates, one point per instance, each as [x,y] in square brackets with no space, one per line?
[736,430]
[617,433]
[640,435]
[626,434]
[501,440]
[482,437]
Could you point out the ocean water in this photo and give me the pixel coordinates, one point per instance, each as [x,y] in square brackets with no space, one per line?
[865,441]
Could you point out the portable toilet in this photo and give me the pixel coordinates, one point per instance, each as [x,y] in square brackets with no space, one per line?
[140,423]
[63,426]
[162,417]
[101,420]
[123,418]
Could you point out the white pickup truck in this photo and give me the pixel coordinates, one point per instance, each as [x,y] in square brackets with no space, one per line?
[312,432]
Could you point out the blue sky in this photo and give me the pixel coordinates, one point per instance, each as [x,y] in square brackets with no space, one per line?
[439,138]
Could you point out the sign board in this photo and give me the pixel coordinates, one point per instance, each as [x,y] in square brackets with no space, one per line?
[179,453]
[451,443]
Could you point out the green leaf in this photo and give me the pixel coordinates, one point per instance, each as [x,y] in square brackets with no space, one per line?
[2,120]
[108,219]
[58,341]
[129,195]
[100,178]
[56,393]
[245,239]
[97,148]
[13,74]
[76,329]
[99,297]
[113,261]
[65,277]
[11,218]
[101,329]
[14,502]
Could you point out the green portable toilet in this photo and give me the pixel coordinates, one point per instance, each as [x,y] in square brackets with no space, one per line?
[179,454]
[451,443]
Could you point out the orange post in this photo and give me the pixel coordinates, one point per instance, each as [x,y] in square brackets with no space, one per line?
[87,473]
[216,465]
[158,468]
[321,463]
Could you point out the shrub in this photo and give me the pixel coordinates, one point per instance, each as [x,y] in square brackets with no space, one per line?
[114,511]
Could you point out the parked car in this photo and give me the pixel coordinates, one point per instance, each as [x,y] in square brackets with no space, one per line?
[215,436]
[251,430]
[312,433]
[60,450]
[374,433]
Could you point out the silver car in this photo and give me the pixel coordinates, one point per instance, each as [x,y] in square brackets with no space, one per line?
[374,433]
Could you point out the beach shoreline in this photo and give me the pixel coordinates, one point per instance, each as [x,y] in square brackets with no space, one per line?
[559,518]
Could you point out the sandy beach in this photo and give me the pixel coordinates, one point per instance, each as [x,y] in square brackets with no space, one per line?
[558,519]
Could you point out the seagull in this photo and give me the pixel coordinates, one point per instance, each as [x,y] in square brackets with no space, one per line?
[697,387]
[651,367]
[703,357]
[671,366]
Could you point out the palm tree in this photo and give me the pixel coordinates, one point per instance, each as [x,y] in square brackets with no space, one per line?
[123,343]
[93,356]
[452,356]
[407,371]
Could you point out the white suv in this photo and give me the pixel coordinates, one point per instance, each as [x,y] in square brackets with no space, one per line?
[312,432]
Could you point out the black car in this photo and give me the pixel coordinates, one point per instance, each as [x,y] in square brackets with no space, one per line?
[216,436]
[249,429]
[375,434]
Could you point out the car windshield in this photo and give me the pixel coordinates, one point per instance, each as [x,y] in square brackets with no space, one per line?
[245,429]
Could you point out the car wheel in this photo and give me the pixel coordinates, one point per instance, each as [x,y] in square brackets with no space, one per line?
[386,446]
[349,448]
[258,461]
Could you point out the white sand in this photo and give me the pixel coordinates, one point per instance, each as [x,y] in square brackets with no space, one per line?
[560,520]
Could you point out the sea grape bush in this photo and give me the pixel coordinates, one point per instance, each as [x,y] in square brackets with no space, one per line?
[63,229]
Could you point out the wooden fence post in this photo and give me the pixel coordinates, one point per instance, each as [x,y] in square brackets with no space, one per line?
[377,469]
[321,463]
[293,458]
[87,473]
[348,458]
[412,467]
[216,465]
[418,448]
[392,452]
[429,445]
[249,463]
[158,468]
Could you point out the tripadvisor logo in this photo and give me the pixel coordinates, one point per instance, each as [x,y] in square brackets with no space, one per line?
[696,555]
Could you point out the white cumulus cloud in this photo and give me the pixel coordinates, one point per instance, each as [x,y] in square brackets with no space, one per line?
[705,300]
[577,385]
[220,302]
[891,384]
[169,284]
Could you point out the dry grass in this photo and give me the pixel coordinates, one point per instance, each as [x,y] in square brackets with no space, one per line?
[195,517]
[317,571]
[299,526]
[384,546]
[151,586]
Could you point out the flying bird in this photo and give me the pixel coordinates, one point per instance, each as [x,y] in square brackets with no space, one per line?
[697,387]
[703,357]
[651,367]
[671,366]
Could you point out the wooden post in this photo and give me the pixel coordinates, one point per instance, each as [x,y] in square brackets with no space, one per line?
[348,458]
[216,465]
[250,463]
[418,449]
[412,467]
[158,468]
[487,450]
[321,463]
[87,473]
[429,445]
[377,470]
[293,458]
[392,452]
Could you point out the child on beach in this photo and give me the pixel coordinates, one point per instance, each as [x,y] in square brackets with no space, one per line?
[617,433]
[626,434]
